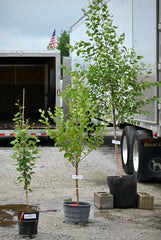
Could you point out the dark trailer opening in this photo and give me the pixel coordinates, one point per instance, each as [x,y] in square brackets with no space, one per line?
[37,74]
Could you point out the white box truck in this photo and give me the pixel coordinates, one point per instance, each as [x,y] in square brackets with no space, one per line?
[38,72]
[140,20]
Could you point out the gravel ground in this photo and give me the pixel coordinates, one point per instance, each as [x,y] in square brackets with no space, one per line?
[53,183]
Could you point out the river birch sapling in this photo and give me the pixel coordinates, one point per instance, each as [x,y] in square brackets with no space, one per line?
[74,134]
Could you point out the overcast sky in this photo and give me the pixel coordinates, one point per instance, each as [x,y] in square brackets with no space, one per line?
[29,24]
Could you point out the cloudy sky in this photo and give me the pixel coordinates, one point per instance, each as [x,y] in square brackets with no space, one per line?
[29,24]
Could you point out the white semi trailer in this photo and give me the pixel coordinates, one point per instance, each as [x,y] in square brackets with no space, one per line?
[38,72]
[140,20]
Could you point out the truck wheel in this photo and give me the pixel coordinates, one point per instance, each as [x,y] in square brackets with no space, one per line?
[126,148]
[137,154]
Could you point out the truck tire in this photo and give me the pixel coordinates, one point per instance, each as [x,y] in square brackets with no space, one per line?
[138,156]
[126,148]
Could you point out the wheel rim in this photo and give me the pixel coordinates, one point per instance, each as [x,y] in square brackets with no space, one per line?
[125,150]
[136,156]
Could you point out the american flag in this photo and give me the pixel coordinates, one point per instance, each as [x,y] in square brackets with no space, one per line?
[52,42]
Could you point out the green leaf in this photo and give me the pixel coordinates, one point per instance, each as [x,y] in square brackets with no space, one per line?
[25,149]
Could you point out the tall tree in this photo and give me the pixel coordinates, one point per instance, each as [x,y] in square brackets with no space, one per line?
[116,76]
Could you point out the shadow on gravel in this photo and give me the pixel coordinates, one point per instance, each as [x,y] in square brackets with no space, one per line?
[44,142]
[108,141]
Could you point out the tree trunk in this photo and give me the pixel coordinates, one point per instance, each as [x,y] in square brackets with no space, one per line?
[27,204]
[23,120]
[115,135]
[116,145]
[77,186]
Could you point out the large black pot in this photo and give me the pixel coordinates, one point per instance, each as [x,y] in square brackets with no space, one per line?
[76,213]
[28,223]
[124,190]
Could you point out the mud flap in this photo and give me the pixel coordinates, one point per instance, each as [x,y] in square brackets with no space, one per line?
[149,153]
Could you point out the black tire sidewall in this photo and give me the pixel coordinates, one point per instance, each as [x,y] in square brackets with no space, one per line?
[128,132]
[137,136]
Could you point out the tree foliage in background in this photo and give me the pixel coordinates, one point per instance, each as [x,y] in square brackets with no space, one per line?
[62,42]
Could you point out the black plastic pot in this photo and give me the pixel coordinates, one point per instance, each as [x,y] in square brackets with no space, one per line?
[124,190]
[28,223]
[76,213]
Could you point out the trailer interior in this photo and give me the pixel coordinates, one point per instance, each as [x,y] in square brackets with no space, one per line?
[34,74]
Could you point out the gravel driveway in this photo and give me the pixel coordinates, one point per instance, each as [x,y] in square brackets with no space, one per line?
[53,183]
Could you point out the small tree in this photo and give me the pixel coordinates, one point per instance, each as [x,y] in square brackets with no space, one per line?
[74,132]
[116,76]
[25,150]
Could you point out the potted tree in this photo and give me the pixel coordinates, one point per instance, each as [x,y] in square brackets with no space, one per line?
[117,78]
[25,152]
[76,136]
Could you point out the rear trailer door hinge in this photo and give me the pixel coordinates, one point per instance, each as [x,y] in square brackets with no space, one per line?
[159,105]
